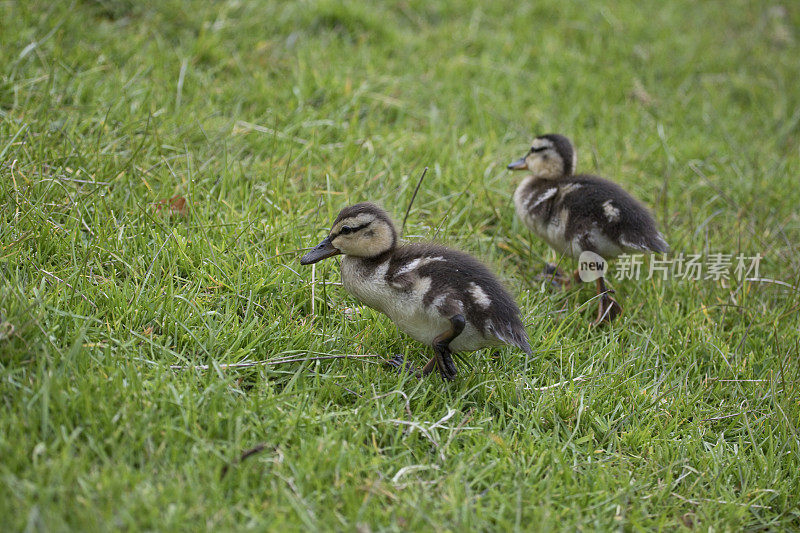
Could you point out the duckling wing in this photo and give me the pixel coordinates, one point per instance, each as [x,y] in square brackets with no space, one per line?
[455,282]
[595,205]
[405,272]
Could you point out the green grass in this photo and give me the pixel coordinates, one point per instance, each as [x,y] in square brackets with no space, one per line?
[268,117]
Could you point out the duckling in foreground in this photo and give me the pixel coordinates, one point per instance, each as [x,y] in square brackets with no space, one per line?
[578,213]
[438,296]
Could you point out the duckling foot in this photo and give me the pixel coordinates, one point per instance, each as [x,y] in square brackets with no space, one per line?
[444,361]
[609,308]
[441,347]
[401,364]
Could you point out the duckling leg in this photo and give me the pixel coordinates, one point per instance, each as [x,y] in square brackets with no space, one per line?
[442,359]
[608,309]
[441,347]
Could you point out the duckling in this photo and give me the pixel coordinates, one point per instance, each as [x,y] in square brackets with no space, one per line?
[438,296]
[578,213]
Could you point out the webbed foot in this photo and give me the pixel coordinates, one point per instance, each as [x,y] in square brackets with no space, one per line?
[608,309]
[401,364]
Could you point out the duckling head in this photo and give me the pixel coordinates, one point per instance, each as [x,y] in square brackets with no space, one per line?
[551,156]
[360,230]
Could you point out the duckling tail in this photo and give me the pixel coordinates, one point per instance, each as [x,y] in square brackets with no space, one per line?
[515,335]
[659,244]
[525,346]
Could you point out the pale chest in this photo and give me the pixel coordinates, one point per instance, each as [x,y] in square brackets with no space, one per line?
[538,208]
[371,286]
[404,305]
[368,285]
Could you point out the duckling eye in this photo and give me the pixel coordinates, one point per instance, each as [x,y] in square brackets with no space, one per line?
[345,230]
[539,149]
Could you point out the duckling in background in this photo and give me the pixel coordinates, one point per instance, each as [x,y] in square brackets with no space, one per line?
[578,213]
[436,295]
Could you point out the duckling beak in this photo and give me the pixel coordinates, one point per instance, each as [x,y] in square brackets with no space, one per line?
[321,251]
[519,164]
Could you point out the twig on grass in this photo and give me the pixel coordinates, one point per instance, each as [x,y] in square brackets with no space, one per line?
[412,468]
[244,455]
[79,293]
[698,501]
[578,379]
[401,393]
[242,126]
[278,361]
[351,391]
[730,416]
[426,431]
[774,282]
[717,380]
[415,425]
[459,427]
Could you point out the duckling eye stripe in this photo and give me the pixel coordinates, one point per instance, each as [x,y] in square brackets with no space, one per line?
[539,149]
[353,229]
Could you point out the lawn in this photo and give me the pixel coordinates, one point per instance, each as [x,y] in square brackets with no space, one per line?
[124,314]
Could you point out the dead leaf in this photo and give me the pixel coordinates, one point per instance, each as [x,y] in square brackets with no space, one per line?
[175,206]
[688,520]
[640,94]
[6,330]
